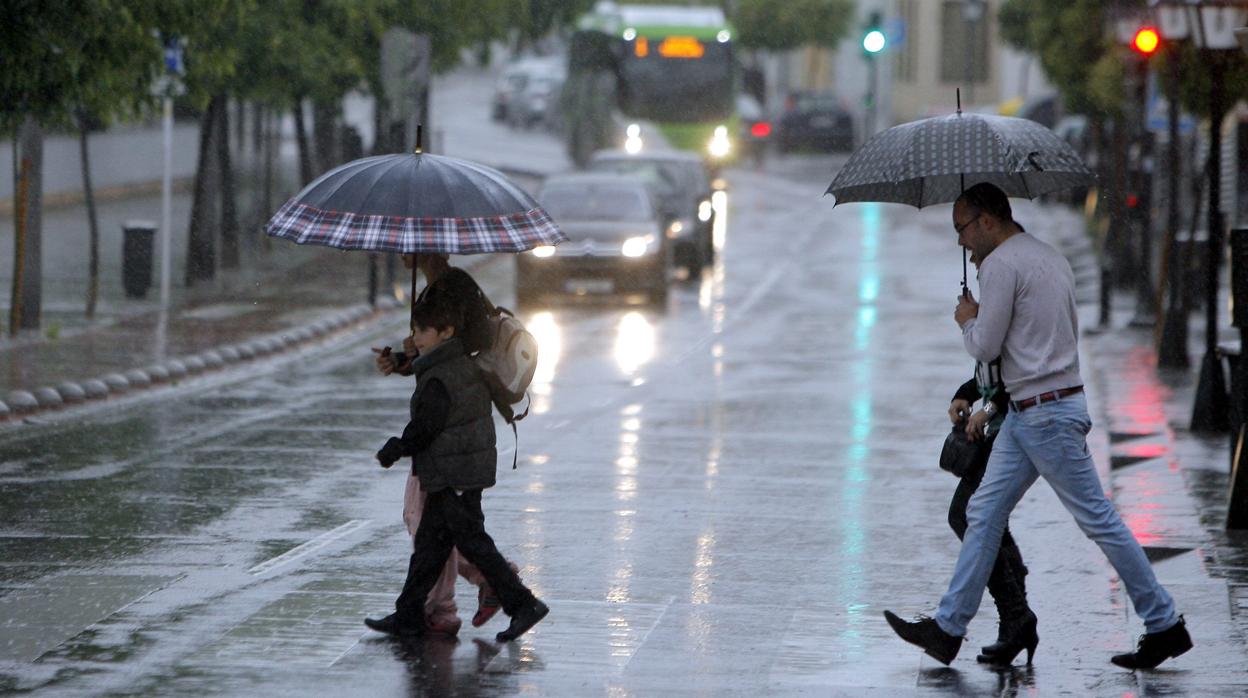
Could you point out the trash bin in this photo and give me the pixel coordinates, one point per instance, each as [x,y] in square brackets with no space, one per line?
[136,257]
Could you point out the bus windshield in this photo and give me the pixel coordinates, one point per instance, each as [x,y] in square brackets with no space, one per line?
[681,89]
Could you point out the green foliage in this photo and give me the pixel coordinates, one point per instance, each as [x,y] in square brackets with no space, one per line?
[1013,19]
[1105,82]
[93,56]
[1197,81]
[782,25]
[1068,38]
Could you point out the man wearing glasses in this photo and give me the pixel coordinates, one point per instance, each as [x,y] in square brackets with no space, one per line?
[1027,317]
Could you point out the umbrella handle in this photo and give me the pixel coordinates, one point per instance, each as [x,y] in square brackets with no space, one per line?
[411,318]
[964,271]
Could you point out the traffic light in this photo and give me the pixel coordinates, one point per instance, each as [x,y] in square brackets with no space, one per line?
[873,38]
[1146,41]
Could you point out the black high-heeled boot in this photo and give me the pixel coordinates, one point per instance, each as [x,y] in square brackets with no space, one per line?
[1013,638]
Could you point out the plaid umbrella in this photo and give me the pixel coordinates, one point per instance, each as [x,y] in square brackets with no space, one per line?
[932,161]
[415,203]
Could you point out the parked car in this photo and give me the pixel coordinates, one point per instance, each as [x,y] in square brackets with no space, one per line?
[815,120]
[682,191]
[536,102]
[616,244]
[514,81]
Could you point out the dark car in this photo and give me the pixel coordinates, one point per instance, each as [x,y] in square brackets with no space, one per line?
[815,121]
[615,246]
[683,194]
[755,129]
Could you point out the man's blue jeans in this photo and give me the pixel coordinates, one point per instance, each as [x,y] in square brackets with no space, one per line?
[1048,440]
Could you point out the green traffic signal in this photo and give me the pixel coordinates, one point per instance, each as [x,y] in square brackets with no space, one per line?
[874,41]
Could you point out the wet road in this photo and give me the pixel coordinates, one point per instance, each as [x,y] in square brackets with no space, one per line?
[715,498]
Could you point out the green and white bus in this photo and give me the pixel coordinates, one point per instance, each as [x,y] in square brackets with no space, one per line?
[673,66]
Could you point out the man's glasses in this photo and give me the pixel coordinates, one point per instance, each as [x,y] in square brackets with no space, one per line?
[964,226]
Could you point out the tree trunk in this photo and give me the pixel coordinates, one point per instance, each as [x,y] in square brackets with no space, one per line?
[93,223]
[271,130]
[306,173]
[324,124]
[201,248]
[1119,227]
[229,202]
[240,114]
[380,109]
[26,305]
[258,116]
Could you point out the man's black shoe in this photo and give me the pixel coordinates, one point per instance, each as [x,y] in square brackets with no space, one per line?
[925,633]
[391,625]
[1155,648]
[525,618]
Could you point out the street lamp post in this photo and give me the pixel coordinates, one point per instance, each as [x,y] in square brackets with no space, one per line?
[972,12]
[873,43]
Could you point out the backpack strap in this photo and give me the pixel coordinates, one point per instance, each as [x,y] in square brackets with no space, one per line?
[515,454]
[512,418]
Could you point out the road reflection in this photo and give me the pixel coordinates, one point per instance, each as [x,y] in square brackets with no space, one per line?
[545,329]
[634,342]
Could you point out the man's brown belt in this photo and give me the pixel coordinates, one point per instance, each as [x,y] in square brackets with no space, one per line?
[1042,398]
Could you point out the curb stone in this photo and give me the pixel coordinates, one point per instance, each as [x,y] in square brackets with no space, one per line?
[116,383]
[177,370]
[21,402]
[71,392]
[95,389]
[138,378]
[212,359]
[48,398]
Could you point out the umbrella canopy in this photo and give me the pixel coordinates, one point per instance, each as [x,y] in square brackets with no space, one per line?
[415,203]
[932,161]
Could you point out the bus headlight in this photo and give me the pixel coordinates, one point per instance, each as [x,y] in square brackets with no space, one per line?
[543,251]
[720,146]
[632,139]
[635,247]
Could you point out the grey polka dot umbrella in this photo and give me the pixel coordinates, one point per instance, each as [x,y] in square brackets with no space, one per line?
[931,161]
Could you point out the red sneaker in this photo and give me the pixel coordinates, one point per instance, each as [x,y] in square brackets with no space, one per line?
[487,605]
[443,626]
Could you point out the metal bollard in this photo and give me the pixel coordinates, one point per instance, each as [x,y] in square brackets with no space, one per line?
[1237,500]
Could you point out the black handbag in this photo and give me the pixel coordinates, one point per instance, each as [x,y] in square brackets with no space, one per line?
[959,453]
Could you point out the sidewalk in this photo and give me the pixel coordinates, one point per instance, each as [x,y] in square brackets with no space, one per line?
[1170,484]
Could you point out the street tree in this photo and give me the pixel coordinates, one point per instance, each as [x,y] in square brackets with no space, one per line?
[783,26]
[209,31]
[70,64]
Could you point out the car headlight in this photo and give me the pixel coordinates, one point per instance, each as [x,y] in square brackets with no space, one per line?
[632,139]
[675,229]
[543,251]
[705,211]
[719,145]
[636,246]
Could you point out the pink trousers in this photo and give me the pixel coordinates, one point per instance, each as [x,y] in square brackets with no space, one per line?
[440,604]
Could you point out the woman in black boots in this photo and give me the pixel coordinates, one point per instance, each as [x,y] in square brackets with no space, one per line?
[1016,630]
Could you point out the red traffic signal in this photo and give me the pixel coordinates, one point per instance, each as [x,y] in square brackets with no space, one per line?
[1146,41]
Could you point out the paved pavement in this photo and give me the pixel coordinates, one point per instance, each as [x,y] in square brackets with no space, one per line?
[750,481]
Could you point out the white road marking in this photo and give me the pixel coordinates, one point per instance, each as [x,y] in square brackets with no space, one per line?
[309,547]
